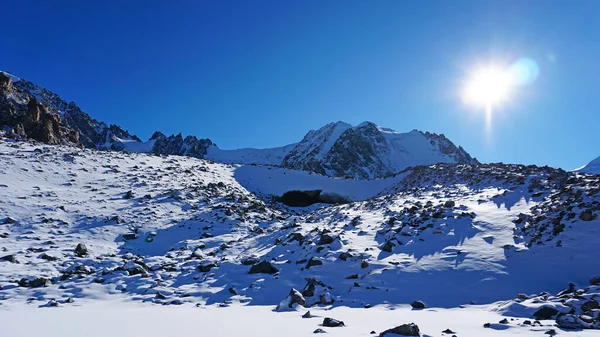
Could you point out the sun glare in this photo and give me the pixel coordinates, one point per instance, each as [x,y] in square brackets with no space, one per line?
[488,86]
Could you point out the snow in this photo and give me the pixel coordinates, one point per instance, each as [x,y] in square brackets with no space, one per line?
[125,319]
[272,156]
[12,77]
[132,145]
[268,180]
[592,167]
[189,212]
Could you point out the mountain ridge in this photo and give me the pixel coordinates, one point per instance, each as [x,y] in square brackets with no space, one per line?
[338,149]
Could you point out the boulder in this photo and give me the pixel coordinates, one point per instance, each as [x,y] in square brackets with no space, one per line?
[9,258]
[81,250]
[35,282]
[418,305]
[314,262]
[545,312]
[404,330]
[205,268]
[590,305]
[325,239]
[332,322]
[263,267]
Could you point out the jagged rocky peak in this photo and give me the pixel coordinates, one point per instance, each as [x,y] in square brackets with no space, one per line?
[370,151]
[30,111]
[177,145]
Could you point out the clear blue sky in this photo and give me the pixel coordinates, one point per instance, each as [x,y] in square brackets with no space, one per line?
[262,73]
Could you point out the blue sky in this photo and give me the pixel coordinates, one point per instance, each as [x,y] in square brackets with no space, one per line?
[262,73]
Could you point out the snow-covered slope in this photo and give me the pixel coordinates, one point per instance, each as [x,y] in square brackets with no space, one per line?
[175,230]
[272,156]
[591,167]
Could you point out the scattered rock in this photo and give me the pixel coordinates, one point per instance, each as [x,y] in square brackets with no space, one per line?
[81,250]
[405,330]
[9,258]
[307,315]
[418,305]
[545,312]
[590,305]
[35,282]
[205,268]
[47,257]
[130,236]
[319,330]
[332,322]
[314,262]
[388,246]
[325,239]
[263,267]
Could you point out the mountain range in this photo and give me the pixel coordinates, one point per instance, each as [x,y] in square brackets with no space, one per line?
[337,149]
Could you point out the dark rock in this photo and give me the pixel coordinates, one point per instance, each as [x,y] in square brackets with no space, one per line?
[130,236]
[9,258]
[487,325]
[47,257]
[590,305]
[587,216]
[449,204]
[250,261]
[405,330]
[81,250]
[314,262]
[35,283]
[9,221]
[69,300]
[128,195]
[325,239]
[263,267]
[205,268]
[418,305]
[595,281]
[296,298]
[364,264]
[332,322]
[388,246]
[307,315]
[319,330]
[448,331]
[296,237]
[352,277]
[344,256]
[160,296]
[504,321]
[545,312]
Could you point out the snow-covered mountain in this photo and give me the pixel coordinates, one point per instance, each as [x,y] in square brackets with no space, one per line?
[337,149]
[81,228]
[591,167]
[369,151]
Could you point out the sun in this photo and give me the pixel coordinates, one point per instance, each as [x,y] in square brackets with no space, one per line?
[488,87]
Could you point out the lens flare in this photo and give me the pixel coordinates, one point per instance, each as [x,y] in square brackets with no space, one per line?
[524,71]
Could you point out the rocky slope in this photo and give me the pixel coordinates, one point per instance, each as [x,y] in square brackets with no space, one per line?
[337,149]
